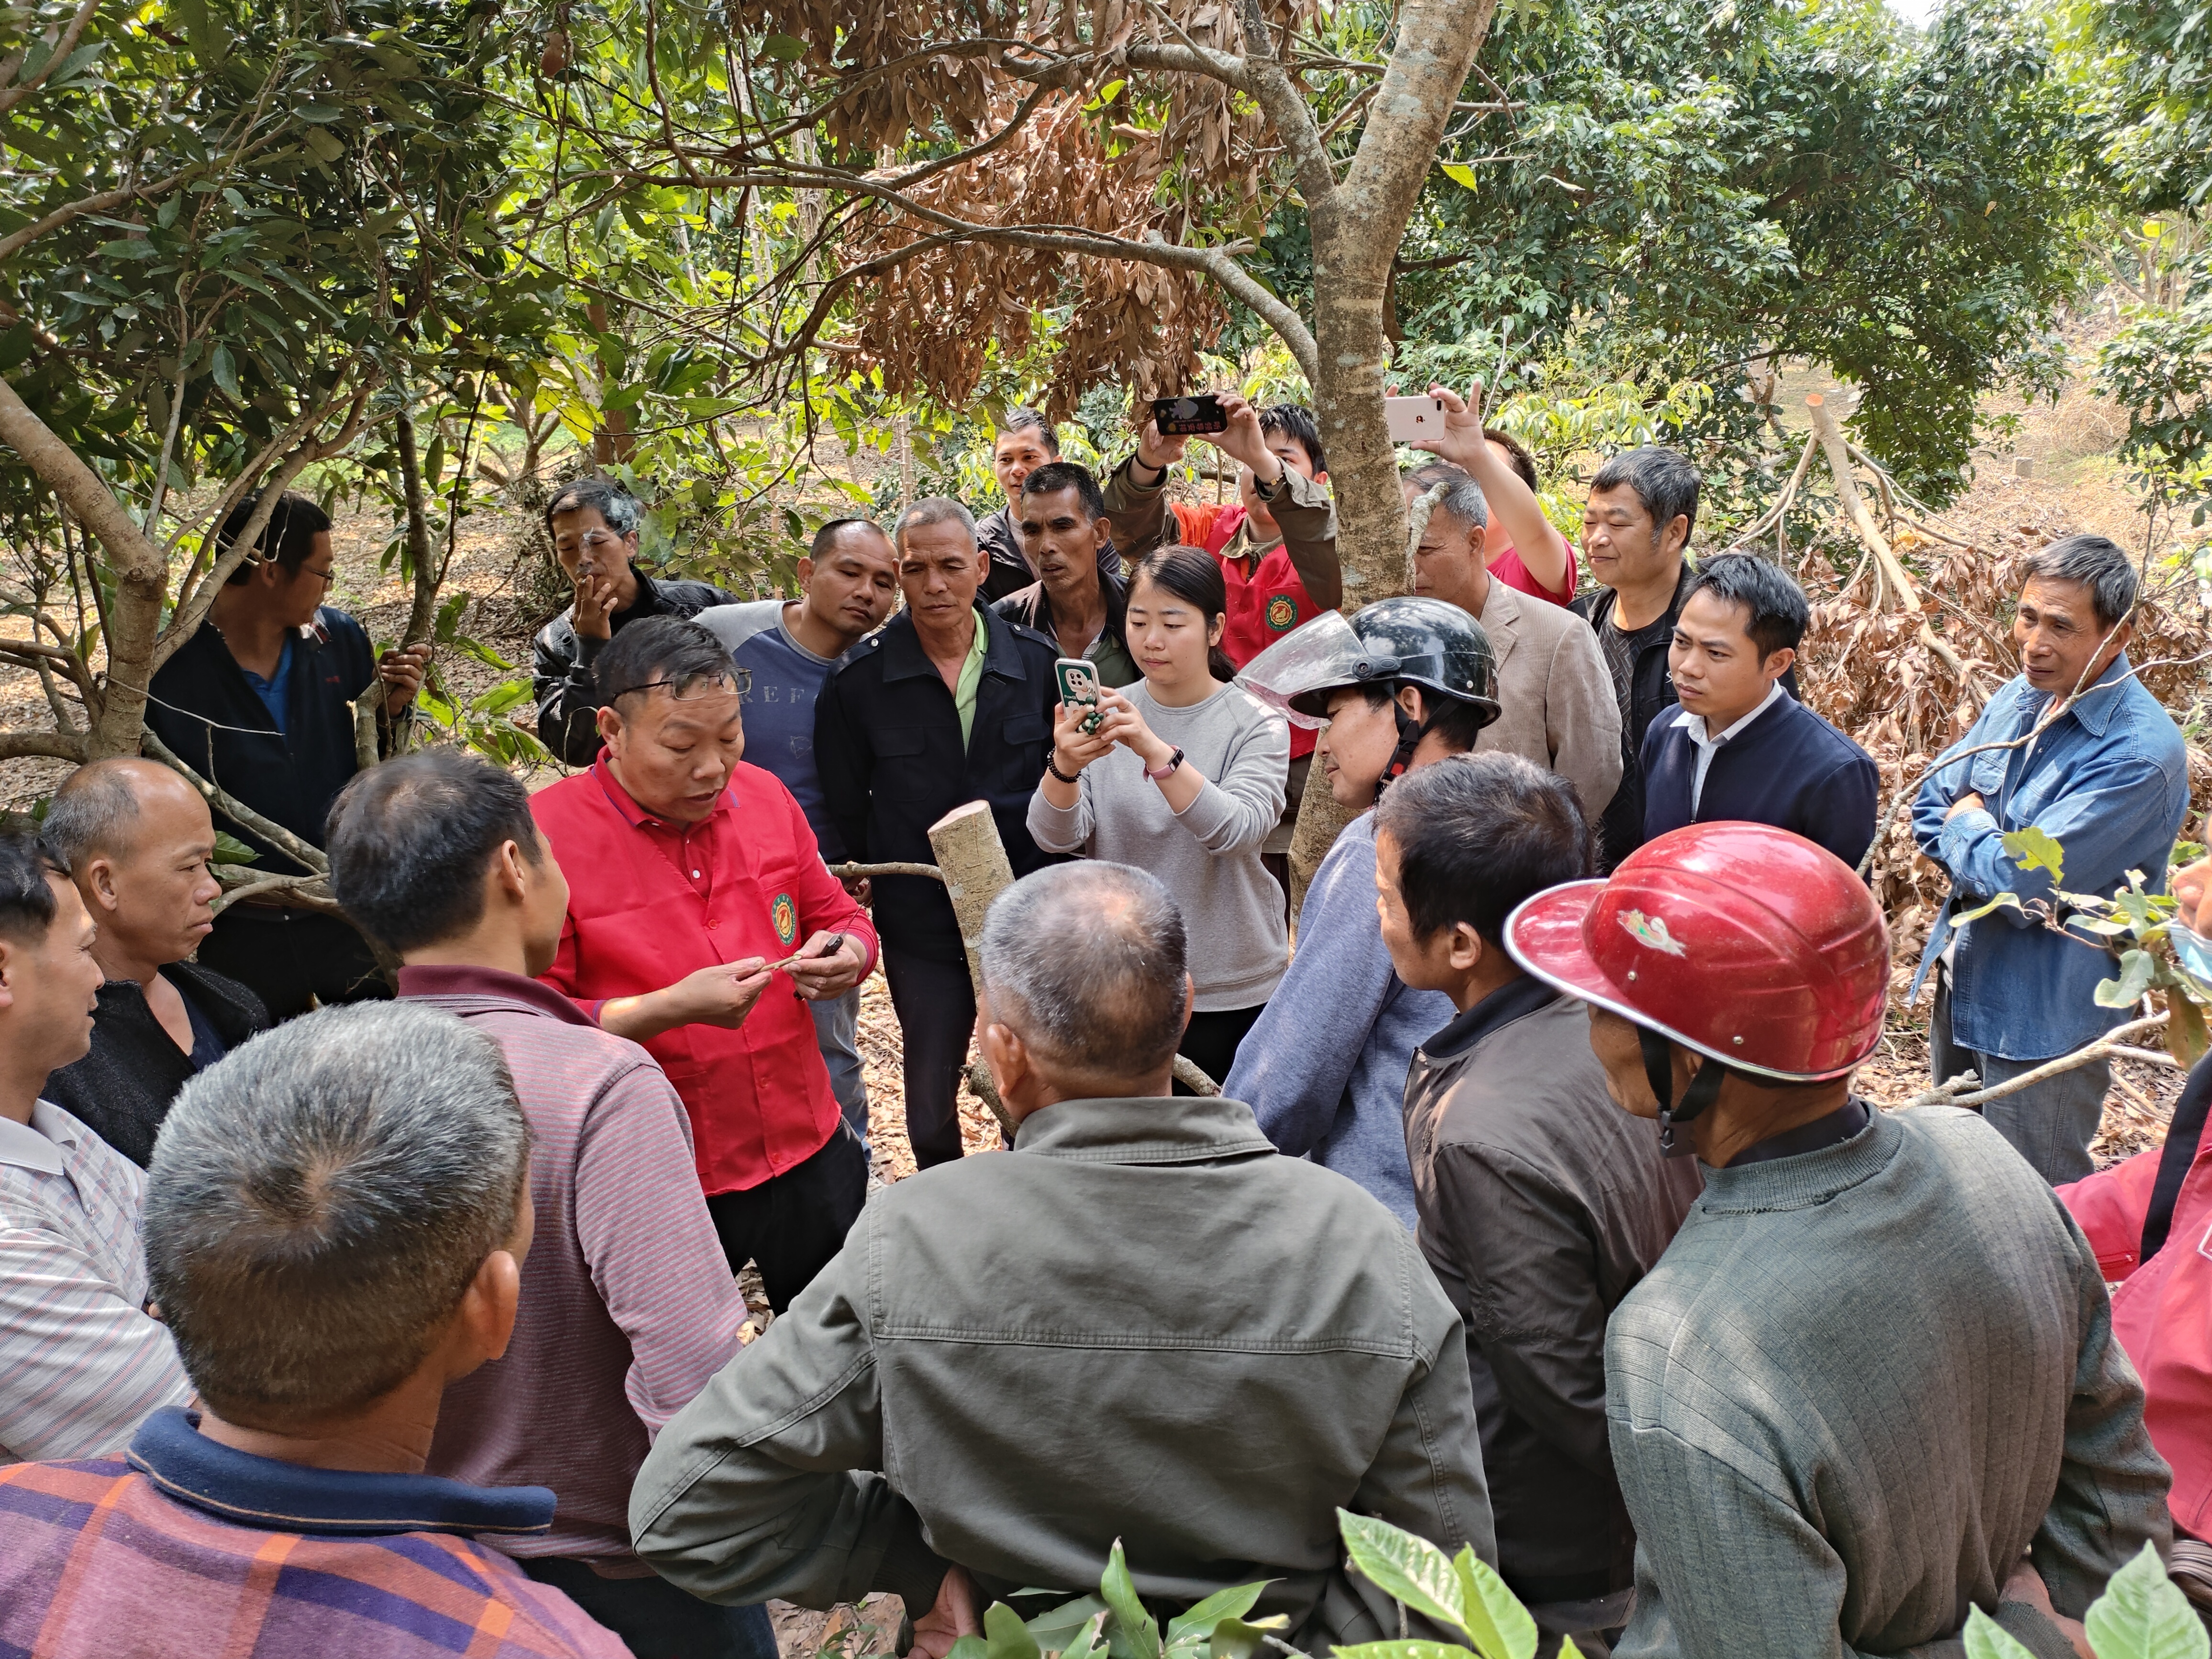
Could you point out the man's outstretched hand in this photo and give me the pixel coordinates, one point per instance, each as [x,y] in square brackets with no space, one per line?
[1461,442]
[722,994]
[953,1615]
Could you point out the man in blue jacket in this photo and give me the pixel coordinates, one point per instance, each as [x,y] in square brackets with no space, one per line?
[2073,747]
[1738,746]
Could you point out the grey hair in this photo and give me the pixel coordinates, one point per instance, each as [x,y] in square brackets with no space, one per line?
[1086,963]
[933,509]
[320,1199]
[94,811]
[1664,482]
[611,500]
[2098,565]
[1464,504]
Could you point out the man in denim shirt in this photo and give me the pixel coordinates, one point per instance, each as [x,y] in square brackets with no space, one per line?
[2108,781]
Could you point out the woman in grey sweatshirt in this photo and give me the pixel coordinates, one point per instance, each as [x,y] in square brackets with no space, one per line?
[1184,777]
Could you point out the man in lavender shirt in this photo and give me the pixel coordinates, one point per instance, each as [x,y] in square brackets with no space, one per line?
[628,1305]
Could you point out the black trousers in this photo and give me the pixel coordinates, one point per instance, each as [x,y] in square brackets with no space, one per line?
[288,956]
[1210,1040]
[655,1620]
[791,1225]
[936,1006]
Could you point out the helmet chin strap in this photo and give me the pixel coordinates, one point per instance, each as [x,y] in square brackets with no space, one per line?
[1410,734]
[1659,1067]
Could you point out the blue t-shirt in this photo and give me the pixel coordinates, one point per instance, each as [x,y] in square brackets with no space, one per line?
[272,691]
[208,1046]
[779,721]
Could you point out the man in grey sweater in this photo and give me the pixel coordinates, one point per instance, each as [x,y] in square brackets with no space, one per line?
[1140,1323]
[1873,1384]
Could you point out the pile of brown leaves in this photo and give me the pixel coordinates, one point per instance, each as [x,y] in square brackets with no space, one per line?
[1872,675]
[927,323]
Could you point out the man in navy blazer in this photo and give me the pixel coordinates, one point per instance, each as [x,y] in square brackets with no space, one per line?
[1740,747]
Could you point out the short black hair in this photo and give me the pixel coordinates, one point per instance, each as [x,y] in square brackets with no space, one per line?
[409,839]
[667,651]
[1022,418]
[288,538]
[27,862]
[1663,481]
[826,537]
[1776,605]
[1055,476]
[1295,421]
[2100,565]
[609,498]
[1478,834]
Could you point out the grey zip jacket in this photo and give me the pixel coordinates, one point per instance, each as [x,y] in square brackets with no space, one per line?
[1143,1322]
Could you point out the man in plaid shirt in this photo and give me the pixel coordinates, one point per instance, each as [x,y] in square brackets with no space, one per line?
[335,1220]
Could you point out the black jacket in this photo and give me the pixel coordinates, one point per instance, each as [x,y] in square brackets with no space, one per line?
[206,712]
[123,1088]
[1542,1204]
[1650,689]
[1009,570]
[1789,768]
[560,672]
[887,744]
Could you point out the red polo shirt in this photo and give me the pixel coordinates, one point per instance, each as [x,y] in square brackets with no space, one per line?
[650,901]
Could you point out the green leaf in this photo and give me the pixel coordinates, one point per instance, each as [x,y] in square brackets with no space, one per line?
[1056,1627]
[2002,900]
[228,849]
[1231,1603]
[2143,1614]
[1406,1569]
[2187,1036]
[783,48]
[1459,172]
[226,375]
[2136,967]
[2032,850]
[1133,1629]
[1008,1638]
[969,1647]
[1233,1638]
[1501,1627]
[1986,1638]
[1088,1642]
[1406,1650]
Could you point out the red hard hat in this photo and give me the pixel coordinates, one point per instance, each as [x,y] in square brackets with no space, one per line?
[1744,942]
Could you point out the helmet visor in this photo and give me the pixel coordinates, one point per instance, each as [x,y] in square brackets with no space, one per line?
[1319,658]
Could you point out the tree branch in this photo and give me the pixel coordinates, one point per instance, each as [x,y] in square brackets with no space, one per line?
[14,95]
[1287,111]
[57,745]
[239,812]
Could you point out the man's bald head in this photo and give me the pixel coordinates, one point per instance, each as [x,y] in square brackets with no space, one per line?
[98,808]
[138,840]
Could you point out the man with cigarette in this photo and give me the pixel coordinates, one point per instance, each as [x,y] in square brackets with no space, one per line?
[700,923]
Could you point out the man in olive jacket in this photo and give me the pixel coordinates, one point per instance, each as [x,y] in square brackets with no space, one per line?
[1143,1323]
[1541,1203]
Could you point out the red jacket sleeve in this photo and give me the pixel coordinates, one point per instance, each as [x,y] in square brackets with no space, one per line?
[2110,1208]
[825,906]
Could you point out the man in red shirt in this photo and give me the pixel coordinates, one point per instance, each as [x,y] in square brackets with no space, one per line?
[682,859]
[1276,542]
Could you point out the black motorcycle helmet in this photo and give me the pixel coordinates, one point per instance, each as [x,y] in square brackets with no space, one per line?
[1392,642]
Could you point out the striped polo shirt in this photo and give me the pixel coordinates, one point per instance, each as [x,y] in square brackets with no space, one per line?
[82,1362]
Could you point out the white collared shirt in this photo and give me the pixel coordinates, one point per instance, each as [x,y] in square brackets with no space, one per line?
[81,1361]
[1694,724]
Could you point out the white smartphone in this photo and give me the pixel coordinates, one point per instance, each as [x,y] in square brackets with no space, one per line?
[1414,417]
[1079,689]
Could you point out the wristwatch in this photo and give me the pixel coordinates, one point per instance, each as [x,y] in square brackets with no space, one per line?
[1173,761]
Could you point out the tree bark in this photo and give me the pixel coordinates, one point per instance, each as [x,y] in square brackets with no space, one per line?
[614,441]
[424,617]
[1357,227]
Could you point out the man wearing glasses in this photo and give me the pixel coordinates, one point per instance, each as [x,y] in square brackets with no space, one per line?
[594,523]
[260,702]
